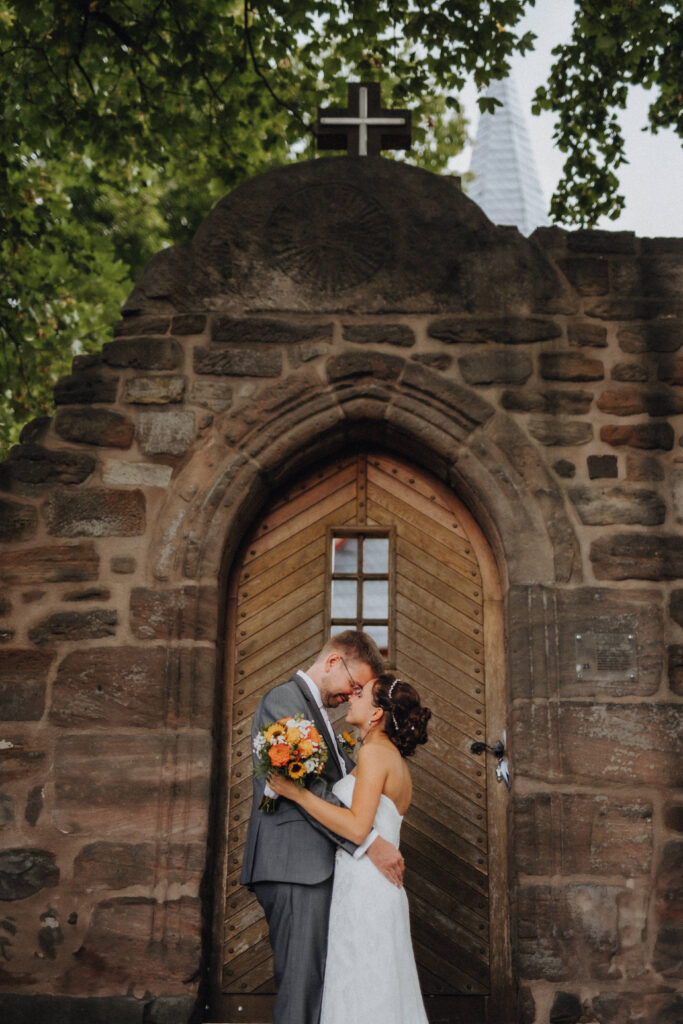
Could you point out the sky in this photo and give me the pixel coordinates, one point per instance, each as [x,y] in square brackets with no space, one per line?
[652,181]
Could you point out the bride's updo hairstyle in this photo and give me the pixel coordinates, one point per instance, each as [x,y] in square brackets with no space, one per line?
[405,719]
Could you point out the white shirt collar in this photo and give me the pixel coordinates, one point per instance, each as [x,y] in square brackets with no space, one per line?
[312,687]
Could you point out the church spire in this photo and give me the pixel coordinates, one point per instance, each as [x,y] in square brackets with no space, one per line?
[506,186]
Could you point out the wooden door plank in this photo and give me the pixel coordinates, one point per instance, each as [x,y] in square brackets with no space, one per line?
[264,634]
[459,687]
[283,599]
[428,487]
[444,630]
[253,577]
[281,512]
[331,506]
[436,831]
[465,673]
[461,872]
[314,479]
[254,659]
[454,979]
[419,884]
[291,572]
[450,594]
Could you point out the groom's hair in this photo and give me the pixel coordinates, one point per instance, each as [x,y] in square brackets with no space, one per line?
[357,645]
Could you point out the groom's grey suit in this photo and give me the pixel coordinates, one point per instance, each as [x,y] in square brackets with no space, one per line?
[289,863]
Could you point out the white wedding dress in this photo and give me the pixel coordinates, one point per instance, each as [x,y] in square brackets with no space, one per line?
[370,976]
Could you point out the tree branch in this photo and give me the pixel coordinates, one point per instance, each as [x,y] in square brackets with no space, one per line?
[282,103]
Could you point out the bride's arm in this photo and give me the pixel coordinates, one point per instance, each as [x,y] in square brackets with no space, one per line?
[353,822]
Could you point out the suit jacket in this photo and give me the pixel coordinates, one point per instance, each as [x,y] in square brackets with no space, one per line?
[288,845]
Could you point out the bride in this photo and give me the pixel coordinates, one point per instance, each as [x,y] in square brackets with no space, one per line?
[370,976]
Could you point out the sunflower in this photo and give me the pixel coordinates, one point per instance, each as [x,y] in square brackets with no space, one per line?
[275,730]
[348,738]
[296,770]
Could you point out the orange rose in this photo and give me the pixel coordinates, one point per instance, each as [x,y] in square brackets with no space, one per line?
[279,754]
[305,749]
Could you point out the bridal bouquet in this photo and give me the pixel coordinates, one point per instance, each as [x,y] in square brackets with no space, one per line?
[291,747]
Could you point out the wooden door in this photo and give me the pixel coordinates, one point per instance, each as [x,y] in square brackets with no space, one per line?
[284,602]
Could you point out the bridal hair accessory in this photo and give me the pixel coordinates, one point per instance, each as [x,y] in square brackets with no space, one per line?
[391,690]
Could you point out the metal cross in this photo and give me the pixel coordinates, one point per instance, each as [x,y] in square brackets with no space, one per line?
[364,129]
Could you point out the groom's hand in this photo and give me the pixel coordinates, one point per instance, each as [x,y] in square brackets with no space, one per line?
[388,860]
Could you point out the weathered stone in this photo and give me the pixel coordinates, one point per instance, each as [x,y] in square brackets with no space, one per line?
[61,626]
[17,521]
[658,336]
[602,466]
[566,1008]
[35,430]
[626,402]
[643,467]
[573,403]
[188,323]
[623,556]
[105,865]
[97,512]
[676,606]
[592,742]
[551,430]
[23,677]
[593,241]
[590,276]
[89,594]
[576,834]
[673,817]
[153,390]
[24,871]
[5,606]
[212,394]
[50,934]
[170,1010]
[61,563]
[166,433]
[31,1009]
[627,1007]
[603,506]
[526,1004]
[586,334]
[676,481]
[639,435]
[379,334]
[496,330]
[123,564]
[434,360]
[6,635]
[186,614]
[655,276]
[671,370]
[144,354]
[676,668]
[6,809]
[133,687]
[31,465]
[141,325]
[115,473]
[99,427]
[571,366]
[667,958]
[541,667]
[364,364]
[85,389]
[86,362]
[466,407]
[624,308]
[34,805]
[31,596]
[500,366]
[307,351]
[634,372]
[565,469]
[235,330]
[238,362]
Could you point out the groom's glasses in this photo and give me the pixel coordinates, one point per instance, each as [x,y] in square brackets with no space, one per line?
[357,688]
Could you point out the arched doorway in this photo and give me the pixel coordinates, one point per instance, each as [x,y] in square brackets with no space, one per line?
[370,540]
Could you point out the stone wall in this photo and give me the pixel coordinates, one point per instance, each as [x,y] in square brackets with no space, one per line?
[330,304]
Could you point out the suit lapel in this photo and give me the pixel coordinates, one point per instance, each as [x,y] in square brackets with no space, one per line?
[320,723]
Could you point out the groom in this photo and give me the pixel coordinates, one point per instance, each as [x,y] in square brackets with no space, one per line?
[289,857]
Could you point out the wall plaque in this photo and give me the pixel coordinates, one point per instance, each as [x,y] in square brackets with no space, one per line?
[606,657]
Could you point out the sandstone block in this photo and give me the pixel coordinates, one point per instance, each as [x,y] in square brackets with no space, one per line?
[590,742]
[23,679]
[34,805]
[624,556]
[6,810]
[624,308]
[97,512]
[543,649]
[364,364]
[25,871]
[601,466]
[639,435]
[676,478]
[575,834]
[105,865]
[498,367]
[121,687]
[99,427]
[123,564]
[627,1007]
[571,366]
[604,506]
[565,469]
[643,467]
[32,465]
[141,325]
[188,323]
[434,360]
[589,276]
[90,625]
[553,401]
[153,390]
[676,606]
[33,1008]
[469,408]
[657,336]
[5,606]
[630,372]
[566,1008]
[676,668]
[626,402]
[115,473]
[307,351]
[671,370]
[170,432]
[89,594]
[144,353]
[249,331]
[593,241]
[59,563]
[379,334]
[551,430]
[673,817]
[35,430]
[17,521]
[85,389]
[238,362]
[496,330]
[212,394]
[186,614]
[586,334]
